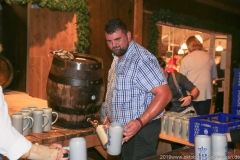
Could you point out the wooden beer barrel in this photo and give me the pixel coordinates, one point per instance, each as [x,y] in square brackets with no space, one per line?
[6,72]
[75,90]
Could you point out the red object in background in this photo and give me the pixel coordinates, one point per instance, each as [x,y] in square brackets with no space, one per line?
[172,65]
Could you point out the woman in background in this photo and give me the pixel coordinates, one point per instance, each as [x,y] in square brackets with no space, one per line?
[200,68]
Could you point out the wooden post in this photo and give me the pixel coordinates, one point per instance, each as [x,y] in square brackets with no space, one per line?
[138,21]
[227,74]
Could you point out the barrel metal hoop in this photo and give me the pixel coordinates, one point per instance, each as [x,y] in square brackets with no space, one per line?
[75,82]
[77,65]
[70,111]
[71,125]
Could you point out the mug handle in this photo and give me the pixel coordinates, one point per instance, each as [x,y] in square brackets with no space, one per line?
[44,115]
[27,123]
[55,118]
[32,121]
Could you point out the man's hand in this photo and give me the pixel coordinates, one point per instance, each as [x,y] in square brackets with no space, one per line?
[185,101]
[131,129]
[61,151]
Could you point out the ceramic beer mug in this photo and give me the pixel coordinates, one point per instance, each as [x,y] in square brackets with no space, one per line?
[110,138]
[32,107]
[27,114]
[30,111]
[178,127]
[164,124]
[185,129]
[202,147]
[77,148]
[49,113]
[17,122]
[115,135]
[219,146]
[38,117]
[171,125]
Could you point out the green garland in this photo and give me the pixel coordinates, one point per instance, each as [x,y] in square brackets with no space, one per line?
[167,16]
[82,12]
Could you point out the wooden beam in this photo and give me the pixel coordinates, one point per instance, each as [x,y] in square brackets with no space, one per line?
[138,21]
[227,74]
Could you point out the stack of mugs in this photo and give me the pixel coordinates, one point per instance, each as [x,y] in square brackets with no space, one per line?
[176,124]
[32,119]
[214,147]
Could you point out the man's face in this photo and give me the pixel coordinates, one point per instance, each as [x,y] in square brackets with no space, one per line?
[118,42]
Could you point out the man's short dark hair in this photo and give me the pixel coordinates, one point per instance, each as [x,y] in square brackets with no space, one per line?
[115,24]
[161,62]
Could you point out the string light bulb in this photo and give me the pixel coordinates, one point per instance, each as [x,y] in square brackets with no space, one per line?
[184,46]
[219,47]
[180,51]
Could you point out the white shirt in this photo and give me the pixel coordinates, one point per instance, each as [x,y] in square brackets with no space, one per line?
[12,144]
[200,68]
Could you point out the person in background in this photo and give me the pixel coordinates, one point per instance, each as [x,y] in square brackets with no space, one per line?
[200,68]
[13,145]
[233,136]
[178,103]
[171,66]
[137,92]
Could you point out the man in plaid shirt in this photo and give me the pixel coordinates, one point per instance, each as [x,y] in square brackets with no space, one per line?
[137,92]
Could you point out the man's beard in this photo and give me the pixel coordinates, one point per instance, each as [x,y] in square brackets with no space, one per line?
[120,52]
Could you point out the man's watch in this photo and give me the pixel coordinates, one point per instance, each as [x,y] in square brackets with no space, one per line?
[191,97]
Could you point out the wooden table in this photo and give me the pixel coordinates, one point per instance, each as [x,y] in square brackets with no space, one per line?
[18,100]
[174,139]
[187,153]
[63,136]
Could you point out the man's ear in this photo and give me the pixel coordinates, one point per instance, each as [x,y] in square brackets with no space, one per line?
[129,36]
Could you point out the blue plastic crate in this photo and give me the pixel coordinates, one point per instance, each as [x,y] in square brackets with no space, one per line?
[213,123]
[236,97]
[236,77]
[236,111]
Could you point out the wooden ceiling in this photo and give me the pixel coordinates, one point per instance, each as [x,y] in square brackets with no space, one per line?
[227,5]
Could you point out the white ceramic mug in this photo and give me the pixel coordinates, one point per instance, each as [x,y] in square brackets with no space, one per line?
[171,125]
[203,147]
[219,146]
[164,124]
[31,115]
[32,107]
[49,113]
[77,148]
[115,135]
[17,122]
[38,118]
[185,129]
[27,114]
[177,127]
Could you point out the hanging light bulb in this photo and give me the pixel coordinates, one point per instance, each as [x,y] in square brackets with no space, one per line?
[199,38]
[184,46]
[219,47]
[180,51]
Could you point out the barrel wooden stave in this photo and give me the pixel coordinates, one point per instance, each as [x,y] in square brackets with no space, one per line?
[75,93]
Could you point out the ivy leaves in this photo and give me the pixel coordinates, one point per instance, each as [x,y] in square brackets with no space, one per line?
[82,12]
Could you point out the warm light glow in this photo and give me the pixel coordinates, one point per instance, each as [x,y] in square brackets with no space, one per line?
[184,46]
[219,48]
[180,51]
[199,38]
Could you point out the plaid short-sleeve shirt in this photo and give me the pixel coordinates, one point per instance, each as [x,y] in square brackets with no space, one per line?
[130,83]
